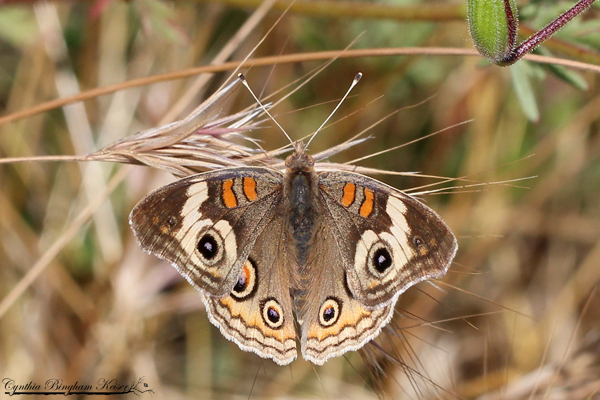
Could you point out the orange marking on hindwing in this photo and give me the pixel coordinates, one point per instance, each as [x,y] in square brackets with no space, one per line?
[228,196]
[349,194]
[243,311]
[347,319]
[250,188]
[366,208]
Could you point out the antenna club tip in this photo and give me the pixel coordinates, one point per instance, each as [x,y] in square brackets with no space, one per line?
[358,76]
[241,77]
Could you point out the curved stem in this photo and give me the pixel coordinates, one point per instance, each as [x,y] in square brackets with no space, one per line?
[271,60]
[545,33]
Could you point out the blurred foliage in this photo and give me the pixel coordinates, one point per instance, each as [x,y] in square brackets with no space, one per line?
[529,256]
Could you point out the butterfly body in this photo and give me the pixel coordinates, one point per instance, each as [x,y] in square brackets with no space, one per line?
[331,249]
[299,194]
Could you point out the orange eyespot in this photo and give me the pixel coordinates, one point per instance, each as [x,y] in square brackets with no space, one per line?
[247,281]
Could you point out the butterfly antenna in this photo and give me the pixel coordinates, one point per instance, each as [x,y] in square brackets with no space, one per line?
[354,82]
[242,78]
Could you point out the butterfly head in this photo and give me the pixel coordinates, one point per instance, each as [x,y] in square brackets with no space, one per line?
[299,160]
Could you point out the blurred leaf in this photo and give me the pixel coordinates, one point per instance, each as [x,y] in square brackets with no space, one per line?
[571,77]
[158,17]
[520,74]
[17,25]
[586,27]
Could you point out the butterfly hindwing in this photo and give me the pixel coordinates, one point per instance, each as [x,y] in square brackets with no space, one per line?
[333,320]
[257,314]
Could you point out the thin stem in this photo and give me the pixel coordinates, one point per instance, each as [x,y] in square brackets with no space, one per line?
[72,229]
[284,59]
[569,49]
[12,160]
[512,24]
[528,45]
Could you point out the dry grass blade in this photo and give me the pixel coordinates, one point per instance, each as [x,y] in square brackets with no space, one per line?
[203,146]
[59,244]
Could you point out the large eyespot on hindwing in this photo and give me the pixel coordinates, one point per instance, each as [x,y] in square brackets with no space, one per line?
[247,282]
[272,313]
[330,312]
[216,243]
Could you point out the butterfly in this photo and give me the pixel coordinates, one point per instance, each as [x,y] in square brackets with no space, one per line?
[319,255]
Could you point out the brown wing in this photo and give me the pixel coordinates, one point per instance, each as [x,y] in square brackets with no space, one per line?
[333,321]
[207,224]
[388,240]
[257,314]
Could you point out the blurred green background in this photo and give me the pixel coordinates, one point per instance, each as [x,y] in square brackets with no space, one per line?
[519,302]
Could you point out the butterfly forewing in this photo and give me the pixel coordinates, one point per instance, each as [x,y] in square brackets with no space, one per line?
[206,224]
[388,240]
